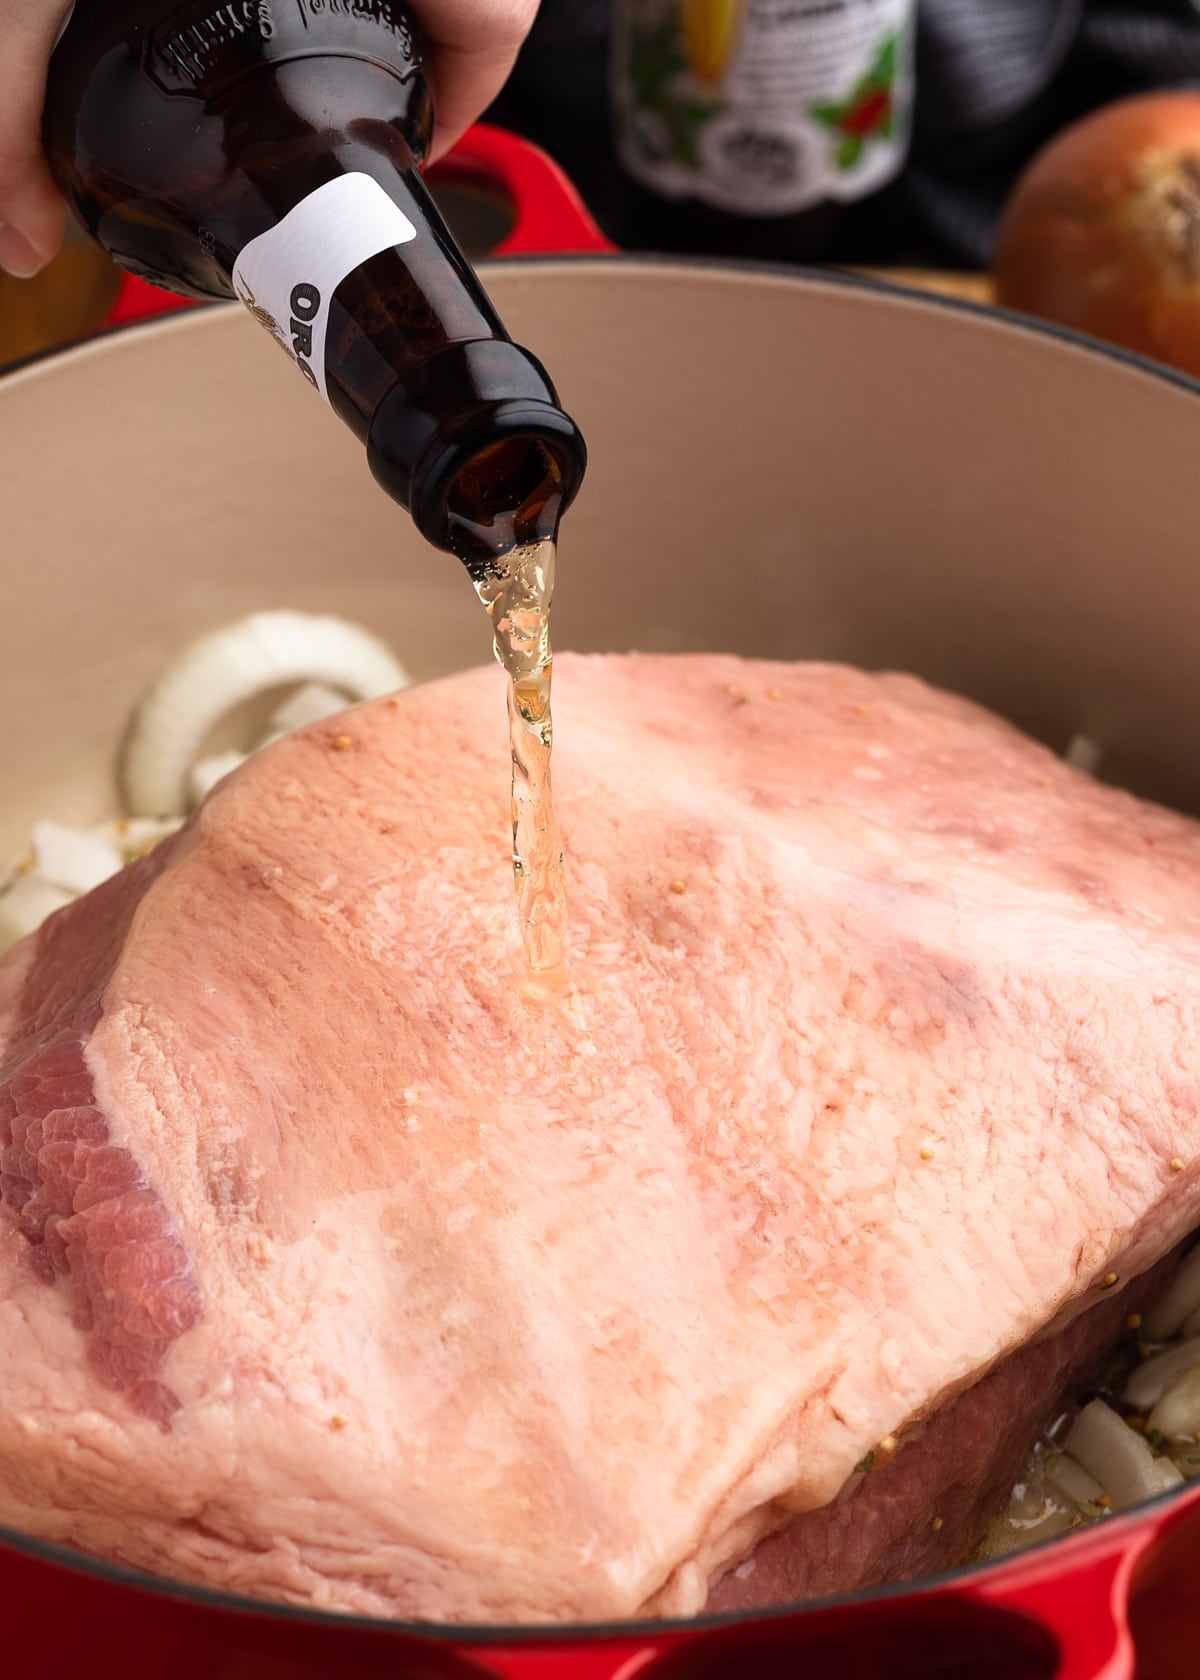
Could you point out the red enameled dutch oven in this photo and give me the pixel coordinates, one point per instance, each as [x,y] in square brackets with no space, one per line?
[783,464]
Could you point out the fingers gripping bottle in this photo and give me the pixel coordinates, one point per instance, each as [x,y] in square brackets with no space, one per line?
[270,150]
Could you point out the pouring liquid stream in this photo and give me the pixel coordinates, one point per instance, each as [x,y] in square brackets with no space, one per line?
[517,589]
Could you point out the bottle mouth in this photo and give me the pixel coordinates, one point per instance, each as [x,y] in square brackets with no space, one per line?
[472,441]
[497,479]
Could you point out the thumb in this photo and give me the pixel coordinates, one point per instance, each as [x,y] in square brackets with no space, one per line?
[474,44]
[32,214]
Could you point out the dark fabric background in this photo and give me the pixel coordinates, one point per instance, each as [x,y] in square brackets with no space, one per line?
[995,78]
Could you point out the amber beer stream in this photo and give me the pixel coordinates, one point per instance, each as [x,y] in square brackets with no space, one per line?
[517,592]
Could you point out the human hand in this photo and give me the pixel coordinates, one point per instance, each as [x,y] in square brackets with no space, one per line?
[32,214]
[473,44]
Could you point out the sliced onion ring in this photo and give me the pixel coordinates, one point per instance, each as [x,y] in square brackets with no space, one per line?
[226,668]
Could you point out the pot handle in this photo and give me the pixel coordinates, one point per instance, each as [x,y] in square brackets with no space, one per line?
[137,300]
[1083,1608]
[1084,1603]
[550,216]
[1081,1596]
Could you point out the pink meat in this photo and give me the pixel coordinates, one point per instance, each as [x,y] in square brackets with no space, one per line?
[81,1201]
[923,1511]
[340,1264]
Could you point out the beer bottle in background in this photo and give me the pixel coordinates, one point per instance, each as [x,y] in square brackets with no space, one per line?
[752,127]
[270,150]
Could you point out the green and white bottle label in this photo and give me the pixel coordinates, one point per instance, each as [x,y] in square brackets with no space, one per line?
[763,107]
[287,276]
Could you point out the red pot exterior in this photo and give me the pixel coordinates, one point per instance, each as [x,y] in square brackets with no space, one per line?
[1113,1602]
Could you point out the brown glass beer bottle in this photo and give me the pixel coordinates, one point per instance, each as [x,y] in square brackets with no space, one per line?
[269,150]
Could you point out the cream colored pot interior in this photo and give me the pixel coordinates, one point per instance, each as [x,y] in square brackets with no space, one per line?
[779,466]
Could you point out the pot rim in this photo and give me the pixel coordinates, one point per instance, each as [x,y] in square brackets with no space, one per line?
[1109,1533]
[802,274]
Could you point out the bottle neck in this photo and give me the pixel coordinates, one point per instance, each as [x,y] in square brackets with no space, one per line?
[356,275]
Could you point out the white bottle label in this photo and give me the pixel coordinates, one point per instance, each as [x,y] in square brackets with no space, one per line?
[764,107]
[287,275]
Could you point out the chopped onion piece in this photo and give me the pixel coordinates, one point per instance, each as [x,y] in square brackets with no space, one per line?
[1083,753]
[1146,1384]
[66,863]
[134,836]
[228,667]
[72,858]
[1177,1414]
[1067,1476]
[25,906]
[1181,1299]
[1116,1455]
[205,775]
[1169,1474]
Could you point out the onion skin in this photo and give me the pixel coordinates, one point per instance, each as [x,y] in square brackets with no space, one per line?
[1102,232]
